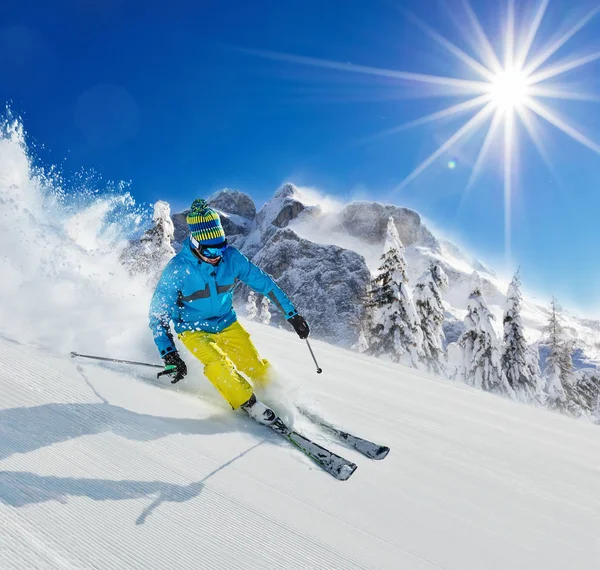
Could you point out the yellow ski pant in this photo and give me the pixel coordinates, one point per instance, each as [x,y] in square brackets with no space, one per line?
[225,355]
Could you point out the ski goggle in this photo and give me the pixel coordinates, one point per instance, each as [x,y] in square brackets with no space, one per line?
[209,251]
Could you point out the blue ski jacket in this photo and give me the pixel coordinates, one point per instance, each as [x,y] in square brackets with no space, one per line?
[198,296]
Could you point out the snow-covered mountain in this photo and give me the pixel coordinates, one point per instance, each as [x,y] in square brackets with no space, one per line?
[323,252]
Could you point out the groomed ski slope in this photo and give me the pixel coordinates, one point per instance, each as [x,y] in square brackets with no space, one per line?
[103,468]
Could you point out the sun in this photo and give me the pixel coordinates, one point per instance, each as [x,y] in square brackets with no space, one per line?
[498,89]
[510,89]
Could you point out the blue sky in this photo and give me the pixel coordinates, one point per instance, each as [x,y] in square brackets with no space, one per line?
[167,95]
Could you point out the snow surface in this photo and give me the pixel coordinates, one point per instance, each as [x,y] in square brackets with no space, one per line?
[104,469]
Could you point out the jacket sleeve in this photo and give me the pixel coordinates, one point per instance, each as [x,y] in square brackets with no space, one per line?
[261,282]
[163,306]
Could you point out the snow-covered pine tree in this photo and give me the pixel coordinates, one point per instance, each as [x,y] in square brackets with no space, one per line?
[265,312]
[430,312]
[515,364]
[454,361]
[361,345]
[395,328]
[365,326]
[251,308]
[158,240]
[532,357]
[559,362]
[586,394]
[480,346]
[154,249]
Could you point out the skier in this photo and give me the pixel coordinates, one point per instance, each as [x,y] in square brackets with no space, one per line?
[195,292]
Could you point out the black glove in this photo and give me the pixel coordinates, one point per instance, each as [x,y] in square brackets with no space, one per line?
[300,326]
[174,367]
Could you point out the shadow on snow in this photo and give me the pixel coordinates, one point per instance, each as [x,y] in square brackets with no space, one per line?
[18,489]
[26,429]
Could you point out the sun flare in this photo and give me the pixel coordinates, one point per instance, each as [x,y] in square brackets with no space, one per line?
[499,90]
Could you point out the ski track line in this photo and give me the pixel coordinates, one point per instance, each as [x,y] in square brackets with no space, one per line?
[22,530]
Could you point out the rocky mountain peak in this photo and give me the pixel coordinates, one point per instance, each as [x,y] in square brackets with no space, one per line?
[287,190]
[327,283]
[280,210]
[233,202]
[368,221]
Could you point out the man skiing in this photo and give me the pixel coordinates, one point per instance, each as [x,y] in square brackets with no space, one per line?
[195,291]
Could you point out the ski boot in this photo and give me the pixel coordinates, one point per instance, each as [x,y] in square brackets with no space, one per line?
[259,412]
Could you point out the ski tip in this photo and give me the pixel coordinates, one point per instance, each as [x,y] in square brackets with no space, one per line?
[346,471]
[381,453]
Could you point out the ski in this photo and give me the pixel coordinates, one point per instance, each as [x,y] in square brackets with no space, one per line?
[364,446]
[330,462]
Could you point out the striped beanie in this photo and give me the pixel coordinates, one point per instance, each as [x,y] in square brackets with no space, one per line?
[205,224]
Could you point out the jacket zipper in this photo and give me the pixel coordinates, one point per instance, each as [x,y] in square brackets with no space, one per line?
[213,289]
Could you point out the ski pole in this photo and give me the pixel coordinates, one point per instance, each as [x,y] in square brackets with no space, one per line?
[75,354]
[319,369]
